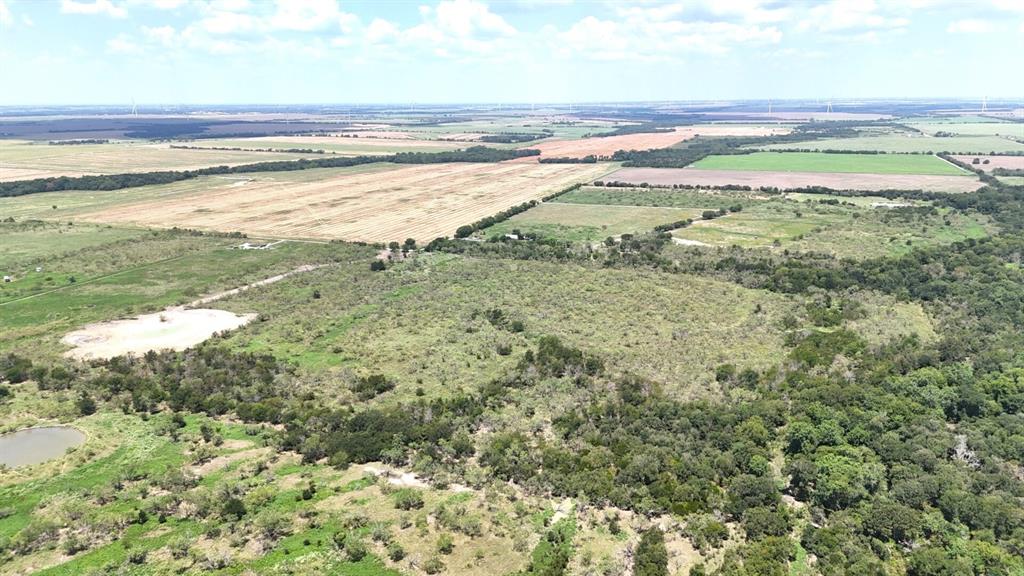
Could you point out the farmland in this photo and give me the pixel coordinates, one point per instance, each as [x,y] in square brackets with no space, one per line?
[819,162]
[960,128]
[993,162]
[421,202]
[345,146]
[904,143]
[270,381]
[577,222]
[22,160]
[608,145]
[785,180]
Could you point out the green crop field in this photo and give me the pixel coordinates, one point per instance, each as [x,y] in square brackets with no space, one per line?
[820,162]
[909,143]
[1011,129]
[577,222]
[661,197]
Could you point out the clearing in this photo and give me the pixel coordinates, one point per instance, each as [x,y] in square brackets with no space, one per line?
[580,222]
[789,180]
[174,328]
[413,201]
[822,162]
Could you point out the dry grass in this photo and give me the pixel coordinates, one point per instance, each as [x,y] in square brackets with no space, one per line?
[21,160]
[421,201]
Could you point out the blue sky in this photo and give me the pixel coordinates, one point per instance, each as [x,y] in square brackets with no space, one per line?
[327,51]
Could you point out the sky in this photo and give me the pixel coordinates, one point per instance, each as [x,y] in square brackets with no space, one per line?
[461,51]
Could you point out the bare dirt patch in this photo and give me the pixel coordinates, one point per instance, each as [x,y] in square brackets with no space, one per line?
[786,180]
[1009,162]
[420,201]
[175,329]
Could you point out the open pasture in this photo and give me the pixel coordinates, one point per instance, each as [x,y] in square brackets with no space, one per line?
[908,143]
[788,180]
[21,160]
[590,223]
[821,162]
[410,201]
[844,231]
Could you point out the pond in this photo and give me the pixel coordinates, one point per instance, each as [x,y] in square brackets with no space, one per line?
[35,445]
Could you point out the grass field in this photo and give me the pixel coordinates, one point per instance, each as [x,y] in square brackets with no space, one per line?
[21,160]
[909,143]
[576,222]
[844,231]
[408,201]
[819,162]
[757,179]
[137,274]
[1012,129]
[1012,180]
[858,228]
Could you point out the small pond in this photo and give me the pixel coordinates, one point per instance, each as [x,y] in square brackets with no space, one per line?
[35,445]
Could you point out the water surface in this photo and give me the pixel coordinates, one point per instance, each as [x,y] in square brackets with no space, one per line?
[35,445]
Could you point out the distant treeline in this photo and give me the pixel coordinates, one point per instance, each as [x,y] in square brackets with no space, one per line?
[590,159]
[513,137]
[467,230]
[644,128]
[481,154]
[77,142]
[238,149]
[1007,171]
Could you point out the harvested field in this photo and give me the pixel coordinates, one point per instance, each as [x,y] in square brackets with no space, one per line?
[174,328]
[785,180]
[1009,162]
[604,146]
[363,145]
[22,160]
[419,201]
[608,145]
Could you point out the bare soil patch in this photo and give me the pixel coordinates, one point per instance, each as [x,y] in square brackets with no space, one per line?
[1009,162]
[418,201]
[175,329]
[785,180]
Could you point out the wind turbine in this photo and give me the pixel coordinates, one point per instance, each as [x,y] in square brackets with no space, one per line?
[135,109]
[984,104]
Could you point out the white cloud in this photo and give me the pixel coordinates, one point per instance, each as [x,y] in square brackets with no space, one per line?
[850,15]
[6,19]
[164,35]
[651,33]
[381,30]
[969,26]
[95,7]
[122,44]
[1008,5]
[465,18]
[307,15]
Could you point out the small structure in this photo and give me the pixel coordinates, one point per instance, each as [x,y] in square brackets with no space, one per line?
[7,279]
[39,268]
[252,246]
